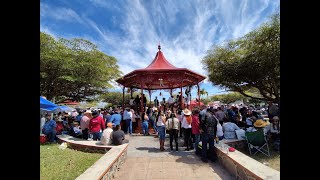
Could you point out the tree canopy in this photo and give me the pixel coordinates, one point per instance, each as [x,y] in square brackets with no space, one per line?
[250,62]
[74,69]
[235,96]
[227,98]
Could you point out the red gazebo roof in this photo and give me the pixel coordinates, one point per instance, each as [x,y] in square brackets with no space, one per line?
[160,62]
[171,76]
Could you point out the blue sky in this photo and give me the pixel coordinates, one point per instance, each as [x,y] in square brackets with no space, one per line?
[130,30]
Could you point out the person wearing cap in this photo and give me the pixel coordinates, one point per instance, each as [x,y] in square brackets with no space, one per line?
[84,124]
[96,125]
[106,137]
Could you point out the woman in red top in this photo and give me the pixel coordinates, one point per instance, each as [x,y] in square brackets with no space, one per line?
[195,128]
[96,126]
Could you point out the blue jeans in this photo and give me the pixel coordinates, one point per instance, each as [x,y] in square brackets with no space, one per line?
[96,136]
[129,125]
[153,124]
[196,141]
[145,127]
[207,138]
[51,135]
[162,132]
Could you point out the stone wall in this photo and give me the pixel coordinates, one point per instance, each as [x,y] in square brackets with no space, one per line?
[242,166]
[107,166]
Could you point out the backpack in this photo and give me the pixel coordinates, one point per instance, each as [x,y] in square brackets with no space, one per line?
[210,123]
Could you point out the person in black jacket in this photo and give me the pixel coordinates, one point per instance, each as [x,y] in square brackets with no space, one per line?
[208,130]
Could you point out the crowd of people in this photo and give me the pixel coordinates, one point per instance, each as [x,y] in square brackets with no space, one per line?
[201,124]
[98,125]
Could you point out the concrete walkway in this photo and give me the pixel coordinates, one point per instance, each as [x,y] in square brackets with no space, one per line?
[146,161]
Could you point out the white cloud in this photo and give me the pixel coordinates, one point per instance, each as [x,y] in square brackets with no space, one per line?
[60,14]
[186,29]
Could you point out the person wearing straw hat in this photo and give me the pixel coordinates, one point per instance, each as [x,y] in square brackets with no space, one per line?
[84,124]
[186,124]
[259,125]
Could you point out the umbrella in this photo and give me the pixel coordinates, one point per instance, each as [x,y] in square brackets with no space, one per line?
[47,105]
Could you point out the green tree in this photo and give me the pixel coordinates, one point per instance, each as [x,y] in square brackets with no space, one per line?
[228,98]
[203,92]
[252,61]
[74,69]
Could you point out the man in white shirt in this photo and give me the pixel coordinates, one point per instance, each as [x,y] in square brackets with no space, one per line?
[106,137]
[127,116]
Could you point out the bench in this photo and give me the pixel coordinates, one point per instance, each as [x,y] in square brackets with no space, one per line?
[107,165]
[241,165]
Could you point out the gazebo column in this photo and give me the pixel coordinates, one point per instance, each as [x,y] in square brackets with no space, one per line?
[149,91]
[141,104]
[131,92]
[181,98]
[139,129]
[199,93]
[123,98]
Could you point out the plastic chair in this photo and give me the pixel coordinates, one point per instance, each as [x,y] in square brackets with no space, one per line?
[257,141]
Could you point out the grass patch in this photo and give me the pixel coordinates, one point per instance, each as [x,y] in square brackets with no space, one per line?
[64,164]
[273,161]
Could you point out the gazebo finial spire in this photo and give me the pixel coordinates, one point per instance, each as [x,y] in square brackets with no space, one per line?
[159,47]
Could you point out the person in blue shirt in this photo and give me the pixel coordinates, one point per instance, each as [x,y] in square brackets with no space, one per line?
[115,118]
[49,128]
[79,116]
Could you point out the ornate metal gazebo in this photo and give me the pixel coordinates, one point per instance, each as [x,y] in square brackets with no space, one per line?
[160,74]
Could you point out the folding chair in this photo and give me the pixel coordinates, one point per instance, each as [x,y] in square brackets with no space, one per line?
[256,140]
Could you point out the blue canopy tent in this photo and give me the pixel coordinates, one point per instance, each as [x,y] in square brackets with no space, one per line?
[64,109]
[47,105]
